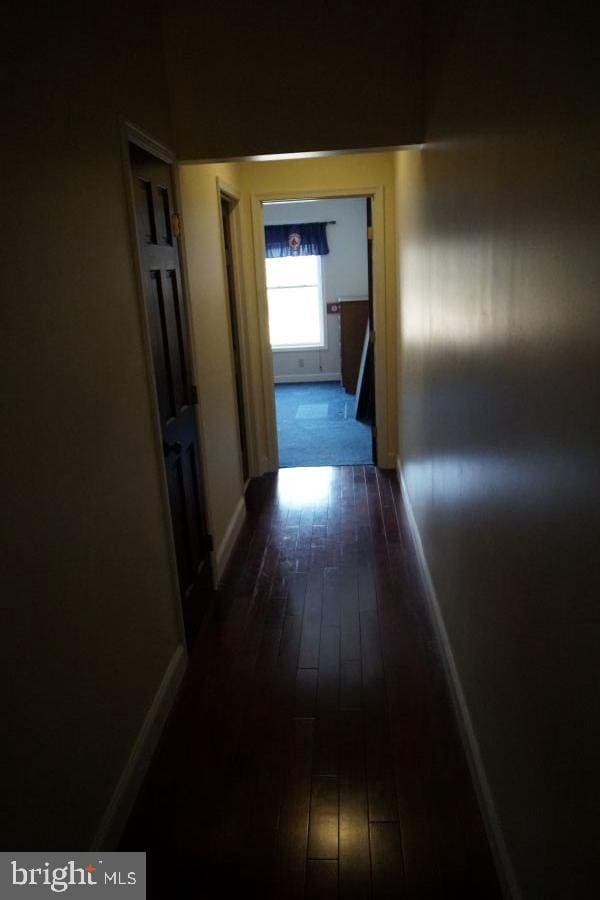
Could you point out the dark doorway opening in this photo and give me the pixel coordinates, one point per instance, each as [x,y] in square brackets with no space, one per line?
[227,206]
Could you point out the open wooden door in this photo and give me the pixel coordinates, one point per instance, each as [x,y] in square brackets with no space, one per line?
[226,213]
[157,232]
[365,394]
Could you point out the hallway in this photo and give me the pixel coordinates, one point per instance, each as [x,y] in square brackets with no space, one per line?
[313,750]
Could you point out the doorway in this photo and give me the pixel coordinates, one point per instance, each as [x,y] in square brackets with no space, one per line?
[228,205]
[158,230]
[320,321]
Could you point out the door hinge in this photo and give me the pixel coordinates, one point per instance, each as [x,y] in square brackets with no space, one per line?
[370,233]
[209,543]
[372,338]
[176,225]
[193,395]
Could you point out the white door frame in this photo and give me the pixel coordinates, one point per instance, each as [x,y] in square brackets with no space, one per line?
[376,193]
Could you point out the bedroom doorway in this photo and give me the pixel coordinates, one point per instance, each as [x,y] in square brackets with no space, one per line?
[319,289]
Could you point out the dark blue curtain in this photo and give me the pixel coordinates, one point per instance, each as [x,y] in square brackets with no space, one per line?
[308,239]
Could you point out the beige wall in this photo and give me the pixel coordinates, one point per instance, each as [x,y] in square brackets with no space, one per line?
[499,279]
[89,601]
[212,340]
[272,77]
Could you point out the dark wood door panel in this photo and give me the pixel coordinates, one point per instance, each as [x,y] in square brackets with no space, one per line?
[166,314]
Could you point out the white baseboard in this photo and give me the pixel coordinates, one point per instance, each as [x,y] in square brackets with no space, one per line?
[300,378]
[121,803]
[224,550]
[494,831]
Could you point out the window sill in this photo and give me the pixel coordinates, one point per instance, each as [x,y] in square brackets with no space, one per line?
[294,348]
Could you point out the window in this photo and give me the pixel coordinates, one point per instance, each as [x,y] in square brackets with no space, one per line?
[295,303]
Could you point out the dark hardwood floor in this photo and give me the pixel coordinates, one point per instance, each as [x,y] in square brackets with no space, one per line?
[313,751]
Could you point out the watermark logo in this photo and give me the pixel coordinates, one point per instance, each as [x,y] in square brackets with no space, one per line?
[47,874]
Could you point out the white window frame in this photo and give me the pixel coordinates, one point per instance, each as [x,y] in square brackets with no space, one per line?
[291,348]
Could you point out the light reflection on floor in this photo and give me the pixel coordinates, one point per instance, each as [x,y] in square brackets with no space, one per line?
[297,487]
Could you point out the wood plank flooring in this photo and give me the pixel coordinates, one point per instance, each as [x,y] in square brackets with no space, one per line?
[313,751]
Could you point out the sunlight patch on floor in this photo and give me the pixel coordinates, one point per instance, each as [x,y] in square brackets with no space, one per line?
[299,486]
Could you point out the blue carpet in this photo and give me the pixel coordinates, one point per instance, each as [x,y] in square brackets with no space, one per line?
[316,426]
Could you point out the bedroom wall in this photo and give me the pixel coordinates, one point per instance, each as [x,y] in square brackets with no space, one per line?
[344,273]
[499,277]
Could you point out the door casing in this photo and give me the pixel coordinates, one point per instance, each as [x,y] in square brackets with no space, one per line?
[233,197]
[132,134]
[270,460]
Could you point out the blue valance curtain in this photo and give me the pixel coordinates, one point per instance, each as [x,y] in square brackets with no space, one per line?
[308,239]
